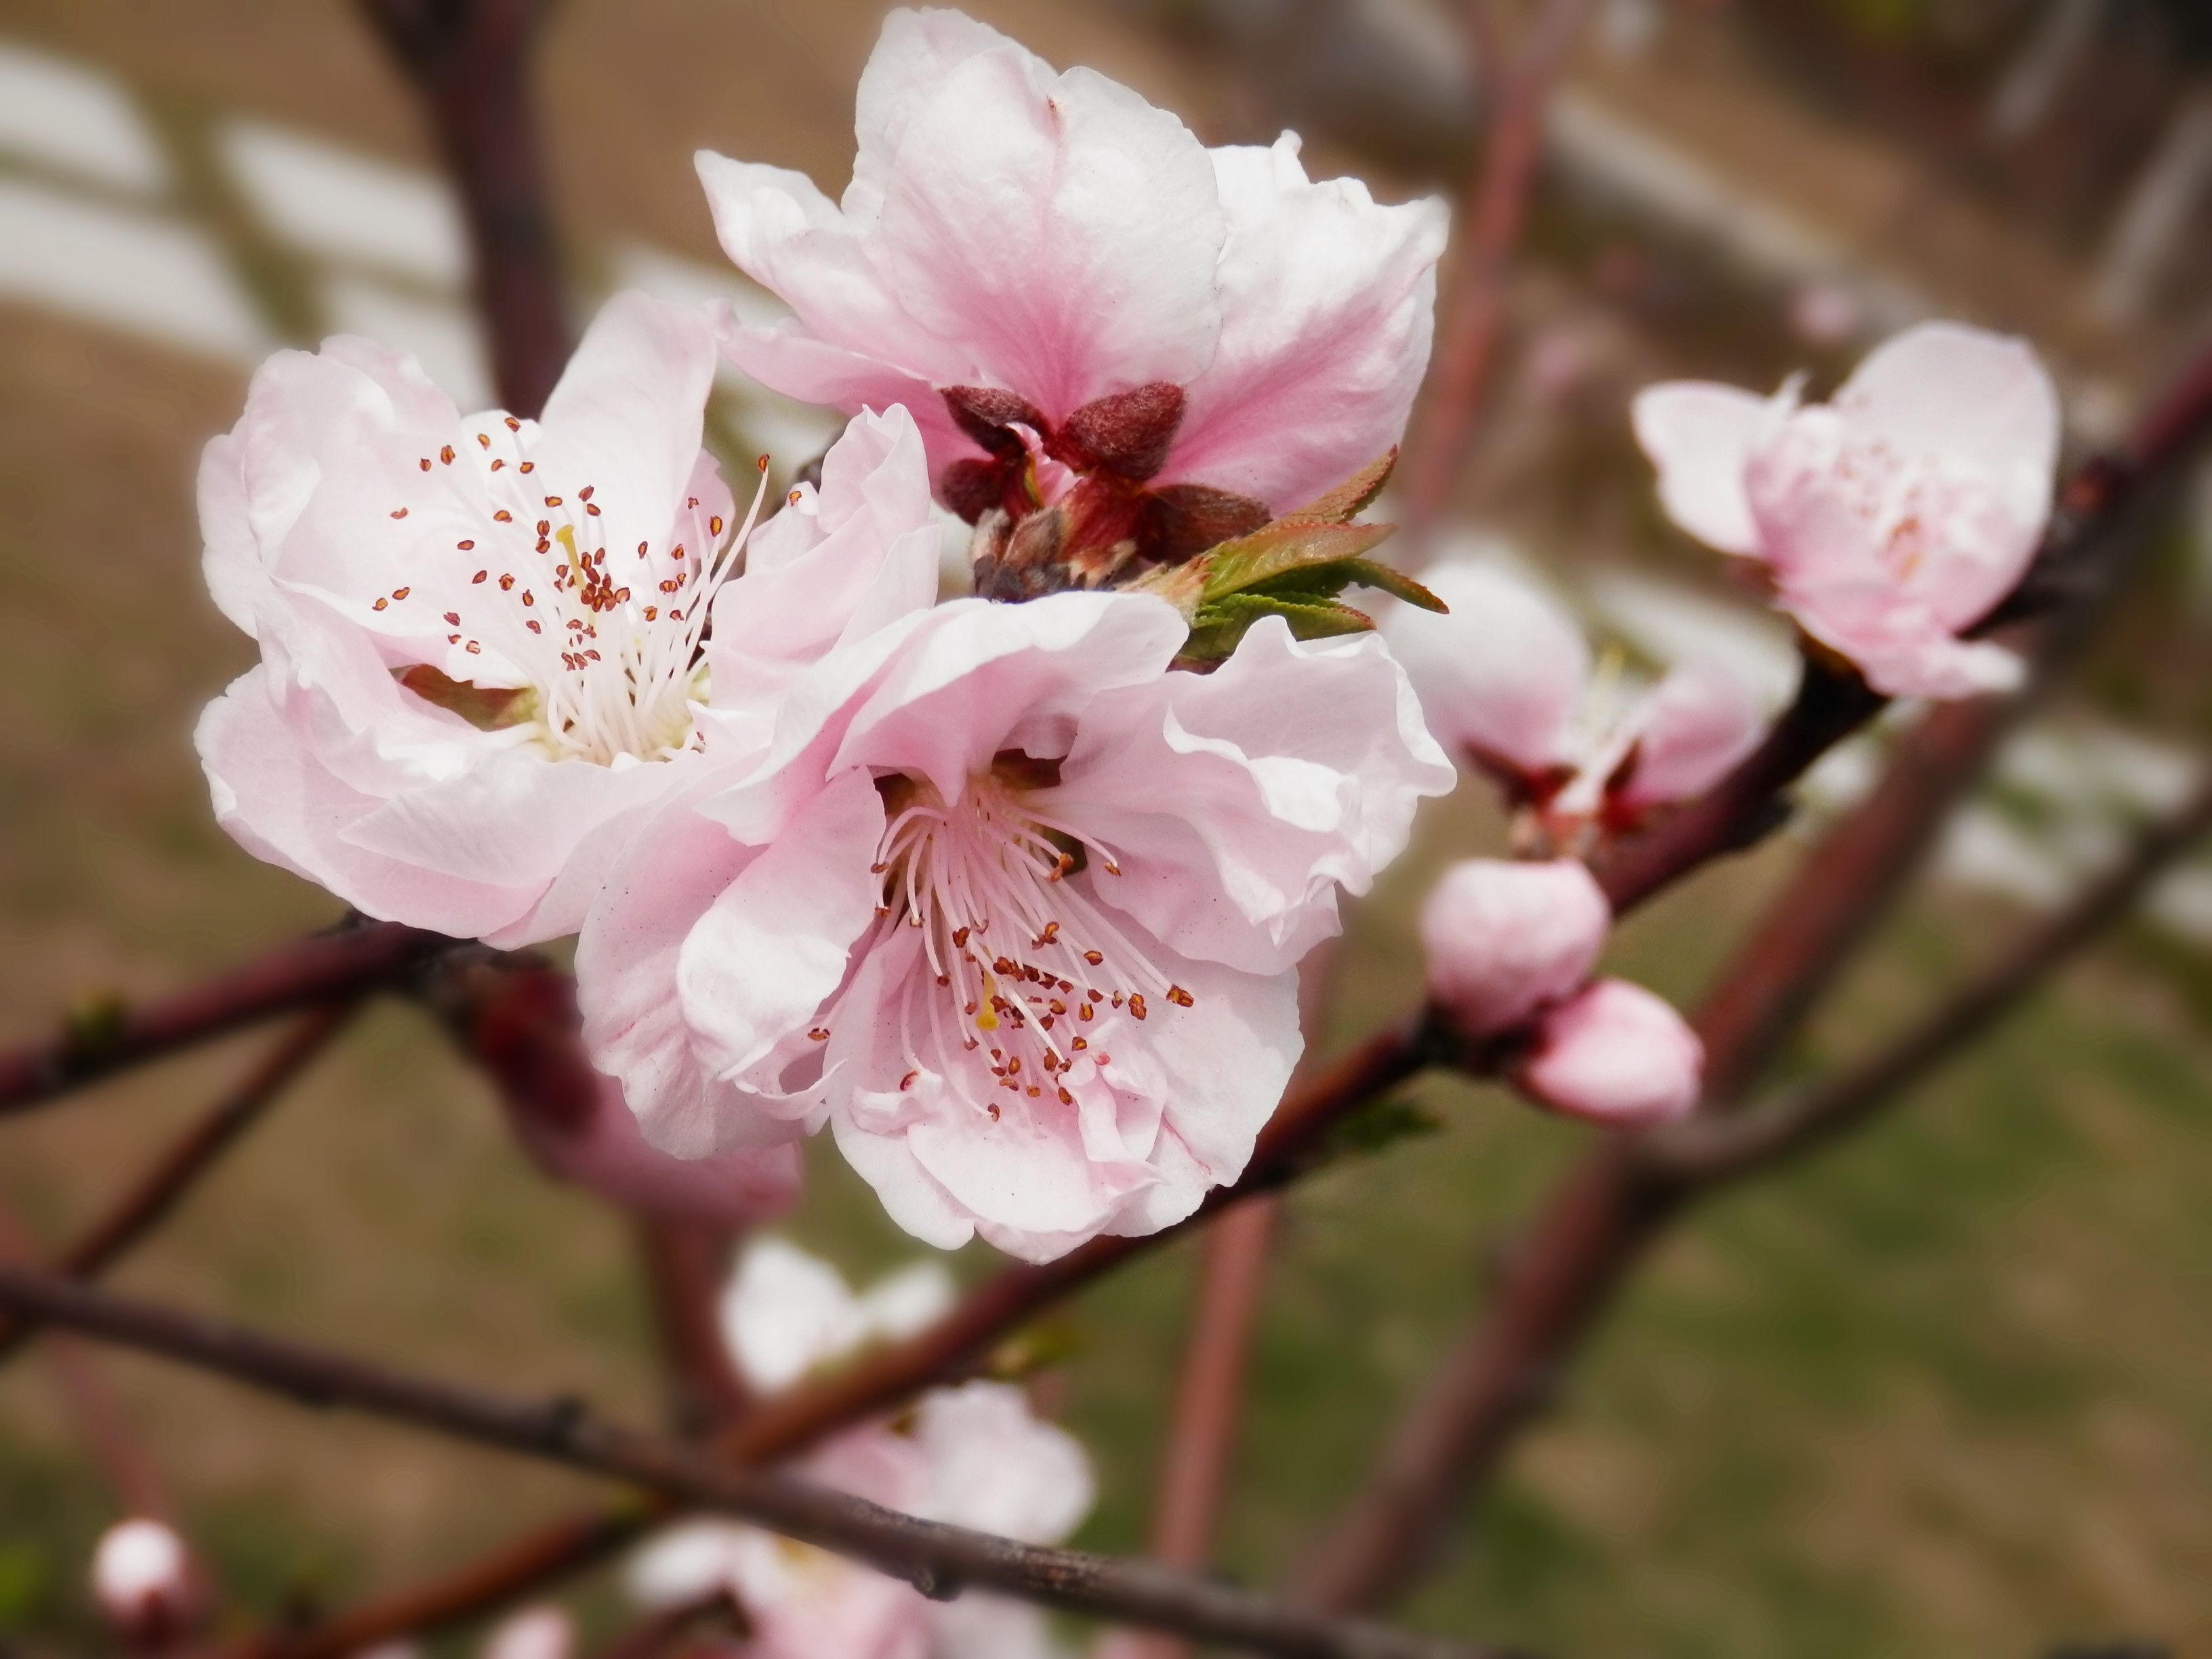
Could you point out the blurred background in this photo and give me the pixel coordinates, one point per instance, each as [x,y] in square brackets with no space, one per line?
[1945,1390]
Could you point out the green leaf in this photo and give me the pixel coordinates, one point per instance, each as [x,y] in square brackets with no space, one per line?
[1281,547]
[1349,499]
[1220,625]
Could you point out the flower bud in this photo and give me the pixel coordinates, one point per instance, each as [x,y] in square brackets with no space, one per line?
[1504,939]
[539,1632]
[1616,1055]
[142,1577]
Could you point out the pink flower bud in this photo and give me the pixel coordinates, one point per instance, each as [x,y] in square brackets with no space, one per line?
[533,1633]
[1616,1055]
[1502,939]
[142,1577]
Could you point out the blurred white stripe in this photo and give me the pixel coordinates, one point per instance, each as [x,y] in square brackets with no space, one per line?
[442,336]
[133,271]
[75,120]
[347,205]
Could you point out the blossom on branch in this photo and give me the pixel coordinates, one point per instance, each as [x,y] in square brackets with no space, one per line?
[1012,909]
[484,640]
[1101,325]
[1506,682]
[1511,946]
[144,1579]
[1614,1054]
[972,1456]
[1890,519]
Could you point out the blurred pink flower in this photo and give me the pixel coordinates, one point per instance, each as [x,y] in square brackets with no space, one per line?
[1012,909]
[1503,940]
[540,1632]
[1041,264]
[481,636]
[1890,518]
[143,1581]
[1616,1055]
[971,1456]
[1505,680]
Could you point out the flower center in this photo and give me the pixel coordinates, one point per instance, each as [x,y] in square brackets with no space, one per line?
[596,648]
[1025,963]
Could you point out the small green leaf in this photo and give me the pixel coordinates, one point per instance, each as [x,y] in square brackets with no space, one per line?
[1275,548]
[1349,499]
[1220,625]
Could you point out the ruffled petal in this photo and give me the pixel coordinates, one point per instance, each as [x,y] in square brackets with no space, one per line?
[1500,675]
[1238,802]
[1327,306]
[1700,436]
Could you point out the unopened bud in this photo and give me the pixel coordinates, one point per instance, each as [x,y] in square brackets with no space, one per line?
[142,1577]
[1616,1055]
[533,1633]
[1503,939]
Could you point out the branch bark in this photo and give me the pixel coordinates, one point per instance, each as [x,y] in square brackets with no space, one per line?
[326,968]
[938,1559]
[469,61]
[151,1200]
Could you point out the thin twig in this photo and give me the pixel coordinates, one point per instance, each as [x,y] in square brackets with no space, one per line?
[1710,1150]
[1496,211]
[322,969]
[939,1560]
[683,1263]
[159,1191]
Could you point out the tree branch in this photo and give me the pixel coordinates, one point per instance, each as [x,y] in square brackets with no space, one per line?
[1495,212]
[469,61]
[324,968]
[148,1203]
[938,1559]
[1708,1151]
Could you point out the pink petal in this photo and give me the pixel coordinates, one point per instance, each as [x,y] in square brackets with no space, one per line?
[1061,228]
[626,418]
[1616,1054]
[769,951]
[1699,435]
[995,1468]
[1327,304]
[1691,731]
[1943,388]
[1503,940]
[627,956]
[1501,674]
[1238,802]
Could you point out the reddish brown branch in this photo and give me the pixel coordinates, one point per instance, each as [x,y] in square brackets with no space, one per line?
[156,1193]
[1495,212]
[326,968]
[939,1560]
[469,60]
[684,1264]
[1708,1151]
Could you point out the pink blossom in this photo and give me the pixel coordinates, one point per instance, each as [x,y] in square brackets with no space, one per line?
[480,636]
[143,1578]
[1890,518]
[1616,1055]
[972,1456]
[785,1312]
[1505,679]
[542,1632]
[1041,264]
[1011,910]
[1503,940]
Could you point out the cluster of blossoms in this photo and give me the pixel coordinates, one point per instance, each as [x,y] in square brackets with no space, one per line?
[971,1455]
[1006,890]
